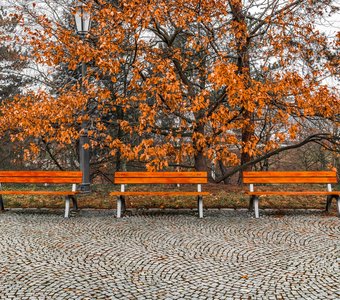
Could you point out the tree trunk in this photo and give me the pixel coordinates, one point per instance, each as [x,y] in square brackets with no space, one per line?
[200,159]
[247,134]
[243,68]
[119,162]
[200,162]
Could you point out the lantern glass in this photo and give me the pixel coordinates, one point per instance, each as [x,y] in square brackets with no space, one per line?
[82,18]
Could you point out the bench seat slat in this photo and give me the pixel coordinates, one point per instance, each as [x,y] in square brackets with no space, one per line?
[161,174]
[289,177]
[290,180]
[258,174]
[40,177]
[291,193]
[156,180]
[177,193]
[65,193]
[40,173]
[32,179]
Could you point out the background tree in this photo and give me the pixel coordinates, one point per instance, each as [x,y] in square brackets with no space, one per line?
[13,81]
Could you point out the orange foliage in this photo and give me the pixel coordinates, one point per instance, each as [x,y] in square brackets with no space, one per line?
[196,76]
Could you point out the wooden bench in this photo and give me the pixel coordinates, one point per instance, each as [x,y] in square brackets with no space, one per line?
[174,178]
[283,178]
[42,177]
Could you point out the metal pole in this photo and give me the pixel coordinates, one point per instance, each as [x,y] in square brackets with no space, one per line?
[84,154]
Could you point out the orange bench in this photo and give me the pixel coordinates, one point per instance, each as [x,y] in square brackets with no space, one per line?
[283,178]
[43,177]
[124,178]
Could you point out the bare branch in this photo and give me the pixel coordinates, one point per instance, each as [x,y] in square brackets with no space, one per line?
[312,138]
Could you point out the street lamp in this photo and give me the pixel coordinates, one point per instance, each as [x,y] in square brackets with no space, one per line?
[82,19]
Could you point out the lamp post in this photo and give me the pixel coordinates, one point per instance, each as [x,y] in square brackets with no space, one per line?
[82,19]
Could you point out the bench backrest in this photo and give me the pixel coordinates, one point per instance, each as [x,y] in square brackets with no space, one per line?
[160,177]
[290,177]
[41,177]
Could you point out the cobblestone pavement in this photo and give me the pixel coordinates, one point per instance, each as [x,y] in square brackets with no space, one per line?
[169,255]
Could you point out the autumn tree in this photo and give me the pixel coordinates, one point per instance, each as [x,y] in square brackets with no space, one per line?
[188,83]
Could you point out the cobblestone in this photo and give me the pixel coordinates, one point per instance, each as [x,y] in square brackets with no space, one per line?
[169,255]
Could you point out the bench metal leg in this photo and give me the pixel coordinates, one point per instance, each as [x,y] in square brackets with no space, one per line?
[67,206]
[74,202]
[329,203]
[251,203]
[119,206]
[338,204]
[200,206]
[2,207]
[256,206]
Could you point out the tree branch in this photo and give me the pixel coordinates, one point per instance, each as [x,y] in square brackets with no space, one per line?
[312,138]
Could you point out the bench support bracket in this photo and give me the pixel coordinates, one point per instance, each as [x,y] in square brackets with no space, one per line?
[200,201]
[67,206]
[256,206]
[200,206]
[121,202]
[120,206]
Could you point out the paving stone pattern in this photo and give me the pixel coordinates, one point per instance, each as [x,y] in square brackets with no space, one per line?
[169,255]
